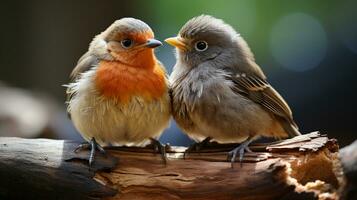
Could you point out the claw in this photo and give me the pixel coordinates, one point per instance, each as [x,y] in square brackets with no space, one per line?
[101,149]
[81,147]
[241,150]
[247,149]
[197,146]
[92,145]
[158,147]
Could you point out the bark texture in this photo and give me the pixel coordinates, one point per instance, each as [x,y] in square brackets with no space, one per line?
[304,167]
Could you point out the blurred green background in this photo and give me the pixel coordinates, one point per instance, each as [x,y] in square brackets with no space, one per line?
[308,49]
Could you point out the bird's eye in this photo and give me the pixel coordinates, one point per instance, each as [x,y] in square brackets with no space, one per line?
[201,46]
[126,43]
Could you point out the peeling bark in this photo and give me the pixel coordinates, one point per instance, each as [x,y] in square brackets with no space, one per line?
[304,167]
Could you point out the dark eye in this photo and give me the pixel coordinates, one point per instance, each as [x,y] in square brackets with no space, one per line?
[201,45]
[126,43]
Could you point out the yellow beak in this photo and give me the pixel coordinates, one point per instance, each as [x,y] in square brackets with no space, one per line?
[177,42]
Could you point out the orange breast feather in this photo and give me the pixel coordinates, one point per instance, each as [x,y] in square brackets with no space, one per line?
[121,82]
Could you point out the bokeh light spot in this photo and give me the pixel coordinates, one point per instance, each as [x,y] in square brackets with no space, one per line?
[298,42]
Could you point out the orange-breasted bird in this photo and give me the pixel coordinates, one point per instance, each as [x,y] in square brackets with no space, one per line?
[218,90]
[119,90]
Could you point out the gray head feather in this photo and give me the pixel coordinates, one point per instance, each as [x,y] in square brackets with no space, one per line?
[225,46]
[116,31]
[126,25]
[206,25]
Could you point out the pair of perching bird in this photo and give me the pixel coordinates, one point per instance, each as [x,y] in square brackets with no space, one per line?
[120,94]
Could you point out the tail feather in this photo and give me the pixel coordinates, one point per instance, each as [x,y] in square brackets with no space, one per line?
[291,128]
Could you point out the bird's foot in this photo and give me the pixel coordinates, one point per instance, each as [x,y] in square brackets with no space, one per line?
[241,149]
[158,147]
[197,146]
[92,145]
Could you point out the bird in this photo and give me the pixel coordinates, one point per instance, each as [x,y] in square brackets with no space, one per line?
[118,93]
[220,93]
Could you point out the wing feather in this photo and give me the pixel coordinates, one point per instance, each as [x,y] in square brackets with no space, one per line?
[85,63]
[260,91]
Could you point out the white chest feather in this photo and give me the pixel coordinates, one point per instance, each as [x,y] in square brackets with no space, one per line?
[114,123]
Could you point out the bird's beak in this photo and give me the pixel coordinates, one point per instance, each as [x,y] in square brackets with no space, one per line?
[152,43]
[177,42]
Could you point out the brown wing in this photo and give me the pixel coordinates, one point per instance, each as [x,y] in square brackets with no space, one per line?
[85,63]
[260,91]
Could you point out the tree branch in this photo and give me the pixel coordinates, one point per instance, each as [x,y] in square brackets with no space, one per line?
[304,167]
[49,169]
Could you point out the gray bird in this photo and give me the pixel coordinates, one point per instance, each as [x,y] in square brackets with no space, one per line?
[218,90]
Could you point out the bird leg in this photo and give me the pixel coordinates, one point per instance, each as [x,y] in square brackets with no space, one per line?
[92,145]
[158,147]
[241,150]
[197,146]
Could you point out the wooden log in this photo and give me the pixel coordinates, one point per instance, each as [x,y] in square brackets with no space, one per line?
[49,169]
[305,167]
